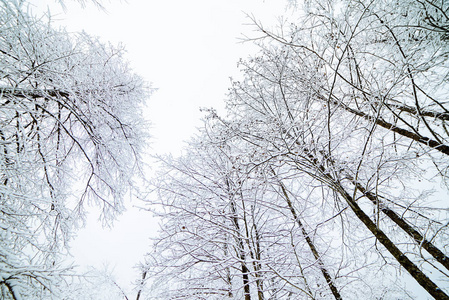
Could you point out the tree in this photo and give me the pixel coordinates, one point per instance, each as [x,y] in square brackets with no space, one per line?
[401,41]
[70,134]
[203,238]
[225,219]
[337,123]
[346,103]
[216,228]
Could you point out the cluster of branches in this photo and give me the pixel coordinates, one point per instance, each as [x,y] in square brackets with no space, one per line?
[70,133]
[328,176]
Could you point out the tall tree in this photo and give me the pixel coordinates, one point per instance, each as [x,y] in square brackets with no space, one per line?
[346,101]
[70,133]
[204,234]
[337,123]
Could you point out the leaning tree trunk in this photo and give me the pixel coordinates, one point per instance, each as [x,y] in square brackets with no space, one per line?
[403,260]
[311,245]
[409,229]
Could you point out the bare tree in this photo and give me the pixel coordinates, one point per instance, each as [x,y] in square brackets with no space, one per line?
[70,133]
[203,236]
[301,99]
[337,123]
[222,224]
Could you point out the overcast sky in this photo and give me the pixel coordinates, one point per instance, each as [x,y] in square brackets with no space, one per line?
[187,50]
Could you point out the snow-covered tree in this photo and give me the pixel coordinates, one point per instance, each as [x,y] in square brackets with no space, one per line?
[202,251]
[354,95]
[341,123]
[70,134]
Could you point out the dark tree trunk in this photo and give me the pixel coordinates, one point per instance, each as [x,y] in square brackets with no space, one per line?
[311,245]
[409,229]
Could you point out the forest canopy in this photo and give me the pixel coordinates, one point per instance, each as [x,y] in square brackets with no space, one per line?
[325,178]
[328,176]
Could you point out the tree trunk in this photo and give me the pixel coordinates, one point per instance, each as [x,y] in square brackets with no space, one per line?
[409,229]
[241,247]
[311,245]
[405,262]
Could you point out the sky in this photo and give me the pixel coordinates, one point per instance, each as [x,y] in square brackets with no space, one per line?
[187,50]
